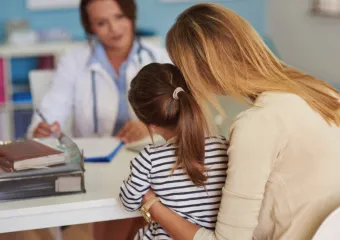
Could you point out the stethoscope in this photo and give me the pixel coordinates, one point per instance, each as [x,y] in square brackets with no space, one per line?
[141,48]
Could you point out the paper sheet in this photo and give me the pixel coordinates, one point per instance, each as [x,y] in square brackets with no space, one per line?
[96,147]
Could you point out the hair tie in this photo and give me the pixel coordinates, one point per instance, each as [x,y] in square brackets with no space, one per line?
[177,90]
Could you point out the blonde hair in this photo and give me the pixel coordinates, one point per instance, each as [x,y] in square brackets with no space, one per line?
[220,53]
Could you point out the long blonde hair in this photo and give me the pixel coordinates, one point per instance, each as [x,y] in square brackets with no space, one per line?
[220,53]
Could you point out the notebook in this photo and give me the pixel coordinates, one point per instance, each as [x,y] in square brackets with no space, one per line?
[30,154]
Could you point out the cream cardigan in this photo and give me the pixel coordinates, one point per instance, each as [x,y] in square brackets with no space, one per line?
[284,172]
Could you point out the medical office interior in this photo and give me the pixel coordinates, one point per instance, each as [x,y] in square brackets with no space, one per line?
[35,34]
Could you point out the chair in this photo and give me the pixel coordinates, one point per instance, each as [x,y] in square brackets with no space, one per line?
[330,228]
[40,81]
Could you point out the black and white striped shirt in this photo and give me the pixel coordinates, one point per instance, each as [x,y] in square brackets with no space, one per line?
[152,169]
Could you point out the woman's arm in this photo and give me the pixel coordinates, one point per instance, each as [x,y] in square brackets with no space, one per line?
[253,149]
[58,101]
[176,226]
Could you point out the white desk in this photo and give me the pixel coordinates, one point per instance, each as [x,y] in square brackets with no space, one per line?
[100,202]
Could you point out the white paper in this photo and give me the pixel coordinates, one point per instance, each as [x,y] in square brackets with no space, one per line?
[68,184]
[96,147]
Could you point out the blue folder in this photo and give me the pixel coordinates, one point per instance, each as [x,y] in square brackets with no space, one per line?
[107,158]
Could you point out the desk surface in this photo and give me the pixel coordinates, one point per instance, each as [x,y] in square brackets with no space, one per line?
[99,203]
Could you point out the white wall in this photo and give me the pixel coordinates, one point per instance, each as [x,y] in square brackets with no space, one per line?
[311,43]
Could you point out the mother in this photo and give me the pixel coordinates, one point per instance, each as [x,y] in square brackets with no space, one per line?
[283,177]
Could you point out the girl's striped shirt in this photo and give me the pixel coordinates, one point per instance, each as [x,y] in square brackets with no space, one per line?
[152,169]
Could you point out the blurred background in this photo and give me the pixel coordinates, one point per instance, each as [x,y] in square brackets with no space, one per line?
[34,33]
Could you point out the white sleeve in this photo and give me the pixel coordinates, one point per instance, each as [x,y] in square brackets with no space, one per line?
[254,146]
[160,53]
[165,57]
[57,104]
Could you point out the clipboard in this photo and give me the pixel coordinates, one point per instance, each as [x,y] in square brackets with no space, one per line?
[99,150]
[107,158]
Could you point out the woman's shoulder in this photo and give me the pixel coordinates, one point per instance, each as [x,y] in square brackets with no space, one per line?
[268,113]
[271,104]
[276,112]
[270,100]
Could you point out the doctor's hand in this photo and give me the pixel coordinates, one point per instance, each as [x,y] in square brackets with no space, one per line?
[132,131]
[45,130]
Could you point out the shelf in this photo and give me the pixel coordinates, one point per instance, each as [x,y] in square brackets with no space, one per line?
[12,113]
[8,50]
[22,106]
[9,107]
[48,48]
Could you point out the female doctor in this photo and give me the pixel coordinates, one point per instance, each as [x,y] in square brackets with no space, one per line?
[91,82]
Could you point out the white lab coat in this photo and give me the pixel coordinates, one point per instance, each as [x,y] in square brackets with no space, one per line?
[71,91]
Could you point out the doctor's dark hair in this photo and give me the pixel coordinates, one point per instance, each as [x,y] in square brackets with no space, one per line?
[128,7]
[151,97]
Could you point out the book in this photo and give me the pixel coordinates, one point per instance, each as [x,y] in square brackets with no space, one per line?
[29,154]
[62,179]
[41,185]
[74,160]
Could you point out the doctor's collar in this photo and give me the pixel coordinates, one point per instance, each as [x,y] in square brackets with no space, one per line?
[97,52]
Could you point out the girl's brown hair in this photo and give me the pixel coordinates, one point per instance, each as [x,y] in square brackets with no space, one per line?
[151,97]
[218,52]
[128,7]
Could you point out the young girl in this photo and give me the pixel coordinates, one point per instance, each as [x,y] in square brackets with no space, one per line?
[188,172]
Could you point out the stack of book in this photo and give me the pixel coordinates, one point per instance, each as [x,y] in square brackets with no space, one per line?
[33,168]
